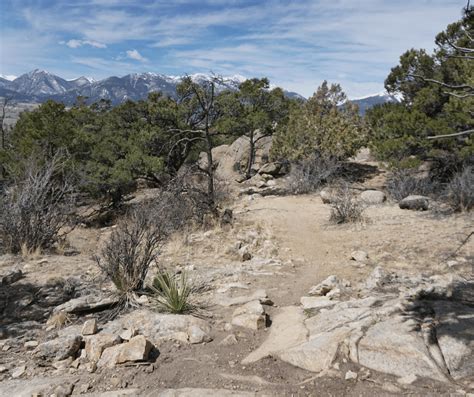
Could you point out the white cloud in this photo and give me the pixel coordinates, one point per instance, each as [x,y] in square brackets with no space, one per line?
[135,55]
[74,43]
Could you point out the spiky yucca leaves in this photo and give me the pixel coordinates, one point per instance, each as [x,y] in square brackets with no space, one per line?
[171,292]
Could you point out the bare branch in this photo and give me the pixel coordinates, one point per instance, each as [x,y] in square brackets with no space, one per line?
[450,86]
[467,132]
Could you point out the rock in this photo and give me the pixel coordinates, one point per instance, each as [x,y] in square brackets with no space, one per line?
[31,344]
[373,197]
[87,303]
[156,326]
[360,256]
[64,390]
[273,169]
[197,335]
[327,196]
[391,346]
[417,203]
[59,348]
[259,295]
[245,254]
[316,302]
[287,331]
[11,277]
[96,344]
[90,327]
[137,349]
[350,375]
[227,217]
[378,278]
[325,286]
[251,315]
[62,364]
[3,369]
[229,340]
[128,334]
[18,372]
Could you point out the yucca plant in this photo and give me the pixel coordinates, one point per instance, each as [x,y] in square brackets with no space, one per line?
[171,292]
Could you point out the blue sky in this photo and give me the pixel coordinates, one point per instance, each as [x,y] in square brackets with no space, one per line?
[296,44]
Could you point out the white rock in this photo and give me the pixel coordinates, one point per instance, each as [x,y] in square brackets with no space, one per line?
[197,335]
[31,344]
[350,375]
[373,197]
[316,302]
[19,371]
[360,256]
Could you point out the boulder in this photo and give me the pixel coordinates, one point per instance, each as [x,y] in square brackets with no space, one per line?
[89,327]
[157,326]
[373,197]
[96,344]
[59,348]
[251,315]
[316,302]
[87,303]
[416,203]
[137,349]
[260,295]
[273,169]
[326,286]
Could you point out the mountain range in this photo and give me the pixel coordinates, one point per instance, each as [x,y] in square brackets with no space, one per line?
[38,86]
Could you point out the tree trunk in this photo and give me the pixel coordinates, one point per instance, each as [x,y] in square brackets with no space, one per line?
[251,156]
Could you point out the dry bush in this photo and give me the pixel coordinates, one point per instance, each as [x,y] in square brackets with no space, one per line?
[36,208]
[311,174]
[128,254]
[460,190]
[345,208]
[403,183]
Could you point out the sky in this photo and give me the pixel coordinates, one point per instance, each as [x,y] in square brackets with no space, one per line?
[296,44]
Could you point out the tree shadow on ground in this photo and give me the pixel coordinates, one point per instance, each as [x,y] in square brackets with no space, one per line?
[25,307]
[357,172]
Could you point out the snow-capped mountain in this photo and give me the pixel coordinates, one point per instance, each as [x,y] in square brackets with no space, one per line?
[39,86]
[8,77]
[375,99]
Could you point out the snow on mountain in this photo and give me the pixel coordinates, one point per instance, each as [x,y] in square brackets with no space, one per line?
[8,77]
[370,101]
[39,85]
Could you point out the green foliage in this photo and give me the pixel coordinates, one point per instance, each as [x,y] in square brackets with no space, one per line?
[399,131]
[325,124]
[172,292]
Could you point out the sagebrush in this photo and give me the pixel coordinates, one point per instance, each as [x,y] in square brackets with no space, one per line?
[345,208]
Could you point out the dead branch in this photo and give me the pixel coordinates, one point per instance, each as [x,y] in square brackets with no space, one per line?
[467,132]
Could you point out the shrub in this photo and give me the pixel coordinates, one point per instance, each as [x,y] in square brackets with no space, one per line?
[311,174]
[129,253]
[345,206]
[35,209]
[171,292]
[460,190]
[403,183]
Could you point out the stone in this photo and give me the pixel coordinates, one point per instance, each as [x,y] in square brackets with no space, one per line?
[64,390]
[137,349]
[244,254]
[350,375]
[197,335]
[19,371]
[325,286]
[414,202]
[327,196]
[229,340]
[87,303]
[96,344]
[31,344]
[259,295]
[317,302]
[287,331]
[89,327]
[128,334]
[11,277]
[251,315]
[156,326]
[59,348]
[373,197]
[378,278]
[273,169]
[3,369]
[62,364]
[360,256]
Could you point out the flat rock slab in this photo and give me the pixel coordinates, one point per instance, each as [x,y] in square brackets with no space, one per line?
[88,303]
[224,300]
[287,330]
